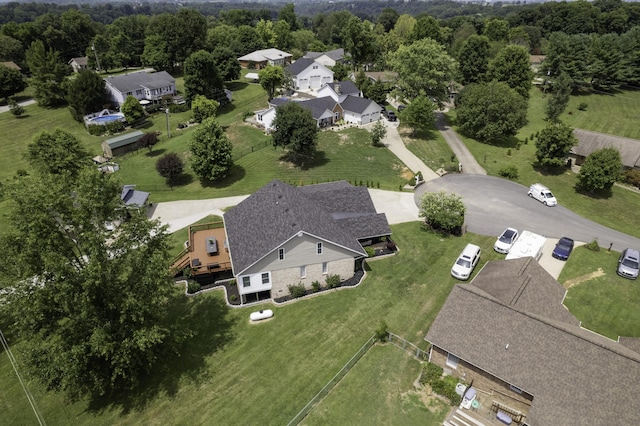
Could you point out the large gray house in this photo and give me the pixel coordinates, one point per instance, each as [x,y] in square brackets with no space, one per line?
[143,86]
[284,235]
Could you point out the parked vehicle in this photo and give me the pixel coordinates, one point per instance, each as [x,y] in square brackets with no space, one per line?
[465,263]
[542,194]
[383,110]
[528,244]
[391,116]
[563,248]
[505,240]
[629,263]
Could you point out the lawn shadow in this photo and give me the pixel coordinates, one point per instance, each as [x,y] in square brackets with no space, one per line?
[237,85]
[317,159]
[548,171]
[596,195]
[183,179]
[208,327]
[155,152]
[236,174]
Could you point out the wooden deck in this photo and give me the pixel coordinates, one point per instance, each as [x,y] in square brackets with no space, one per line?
[199,256]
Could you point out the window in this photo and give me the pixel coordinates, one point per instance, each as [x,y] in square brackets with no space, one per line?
[324,268]
[246,281]
[281,254]
[265,278]
[315,67]
[452,361]
[319,248]
[303,272]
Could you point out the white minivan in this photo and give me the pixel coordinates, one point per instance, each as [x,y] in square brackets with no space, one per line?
[542,194]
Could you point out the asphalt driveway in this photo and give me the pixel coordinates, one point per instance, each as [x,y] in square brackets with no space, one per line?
[493,204]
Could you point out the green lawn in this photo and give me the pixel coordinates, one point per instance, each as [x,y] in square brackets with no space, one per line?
[605,303]
[379,390]
[430,147]
[234,372]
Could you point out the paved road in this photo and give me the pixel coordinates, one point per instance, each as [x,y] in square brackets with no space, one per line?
[394,142]
[493,204]
[469,163]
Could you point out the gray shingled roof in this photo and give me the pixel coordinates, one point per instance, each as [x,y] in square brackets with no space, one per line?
[136,80]
[317,106]
[346,86]
[575,376]
[589,142]
[131,197]
[278,212]
[356,104]
[300,65]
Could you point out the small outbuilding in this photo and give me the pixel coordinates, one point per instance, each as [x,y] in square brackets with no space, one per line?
[122,144]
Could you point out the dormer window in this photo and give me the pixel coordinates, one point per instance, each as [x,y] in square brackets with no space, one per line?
[319,248]
[281,254]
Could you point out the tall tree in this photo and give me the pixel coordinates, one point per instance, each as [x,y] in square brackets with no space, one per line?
[488,111]
[11,82]
[271,77]
[423,67]
[86,94]
[295,130]
[442,211]
[427,27]
[203,108]
[497,29]
[358,40]
[568,53]
[57,152]
[155,53]
[90,308]
[202,76]
[605,61]
[474,59]
[388,18]
[419,113]
[512,66]
[49,75]
[553,145]
[559,99]
[211,157]
[600,170]
[287,14]
[183,33]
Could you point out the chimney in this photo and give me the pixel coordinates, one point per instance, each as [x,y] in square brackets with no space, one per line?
[337,88]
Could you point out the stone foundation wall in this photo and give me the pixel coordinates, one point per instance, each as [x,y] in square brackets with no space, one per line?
[283,278]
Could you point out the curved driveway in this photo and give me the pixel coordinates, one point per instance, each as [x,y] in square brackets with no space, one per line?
[493,204]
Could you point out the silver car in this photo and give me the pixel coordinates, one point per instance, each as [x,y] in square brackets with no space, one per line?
[629,263]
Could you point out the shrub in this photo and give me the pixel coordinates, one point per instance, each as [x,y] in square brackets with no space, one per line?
[233,297]
[333,281]
[296,290]
[430,373]
[632,177]
[187,272]
[316,286]
[193,287]
[381,332]
[582,106]
[370,251]
[593,245]
[509,172]
[176,108]
[509,152]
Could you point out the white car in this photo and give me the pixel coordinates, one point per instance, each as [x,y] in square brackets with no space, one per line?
[465,263]
[505,240]
[542,194]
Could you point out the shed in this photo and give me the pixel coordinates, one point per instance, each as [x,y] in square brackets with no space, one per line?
[121,144]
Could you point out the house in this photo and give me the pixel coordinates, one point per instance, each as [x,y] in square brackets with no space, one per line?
[509,333]
[360,110]
[284,235]
[121,145]
[133,198]
[11,65]
[79,63]
[328,59]
[309,75]
[589,142]
[261,58]
[326,111]
[339,90]
[141,85]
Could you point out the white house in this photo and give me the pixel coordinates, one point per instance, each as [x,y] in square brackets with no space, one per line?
[265,117]
[261,58]
[78,64]
[309,75]
[141,85]
[339,90]
[360,110]
[328,59]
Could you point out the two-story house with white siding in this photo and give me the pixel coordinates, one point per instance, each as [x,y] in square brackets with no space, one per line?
[309,75]
[284,235]
[141,85]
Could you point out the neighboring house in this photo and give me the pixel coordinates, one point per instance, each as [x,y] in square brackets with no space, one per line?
[589,142]
[141,85]
[122,144]
[360,110]
[509,333]
[133,198]
[79,63]
[309,75]
[284,235]
[265,117]
[326,111]
[261,58]
[12,65]
[339,90]
[536,61]
[328,59]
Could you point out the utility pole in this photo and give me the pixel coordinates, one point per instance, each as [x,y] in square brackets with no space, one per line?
[95,52]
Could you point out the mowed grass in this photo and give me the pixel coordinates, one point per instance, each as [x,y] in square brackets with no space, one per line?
[234,372]
[429,146]
[376,390]
[617,211]
[605,302]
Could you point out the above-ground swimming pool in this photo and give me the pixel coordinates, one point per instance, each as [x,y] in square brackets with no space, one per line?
[107,118]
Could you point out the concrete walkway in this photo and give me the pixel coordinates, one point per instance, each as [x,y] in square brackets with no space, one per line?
[23,103]
[469,163]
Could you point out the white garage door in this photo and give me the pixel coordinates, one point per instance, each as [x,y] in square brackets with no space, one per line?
[315,81]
